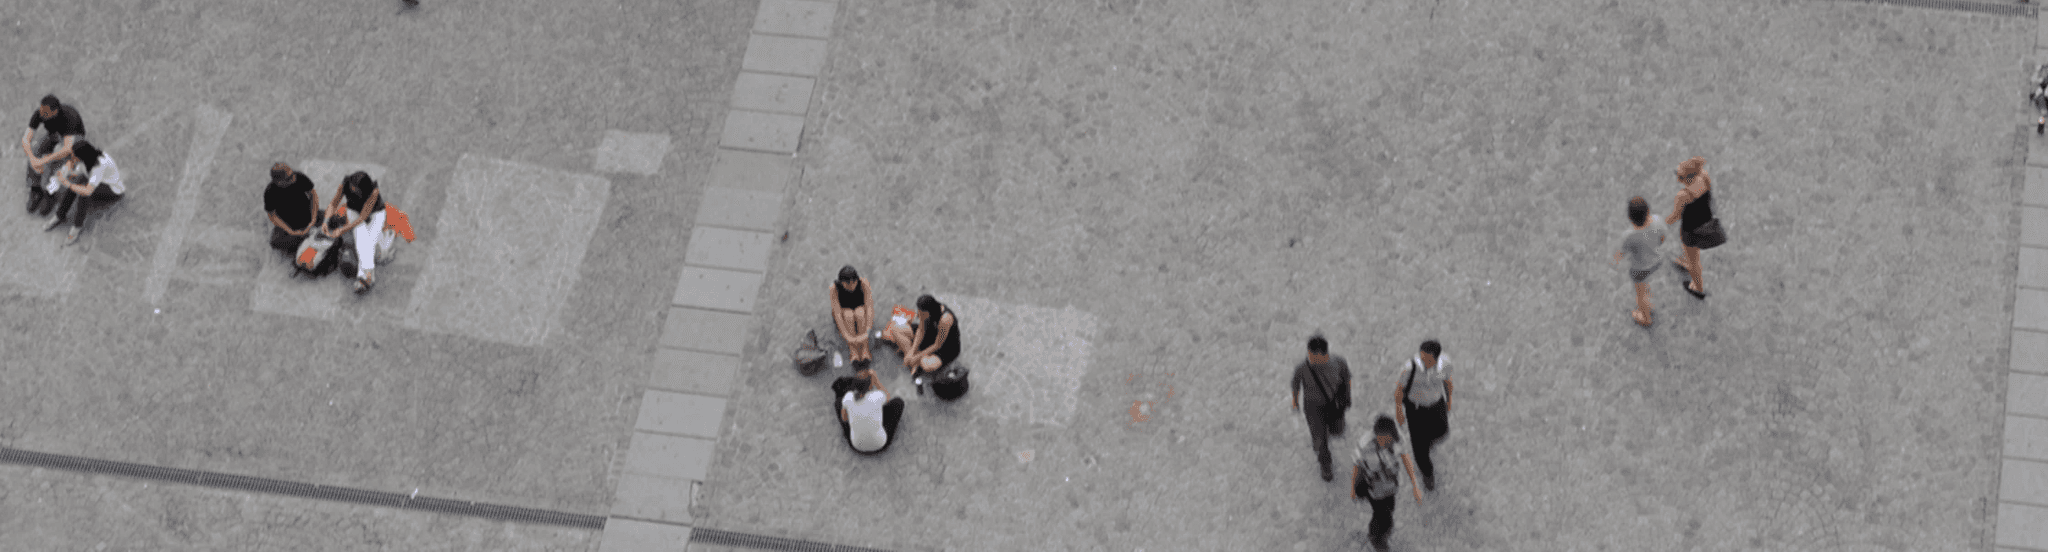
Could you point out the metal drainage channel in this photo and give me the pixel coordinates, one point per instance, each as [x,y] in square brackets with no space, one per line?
[304,490]
[762,542]
[2007,9]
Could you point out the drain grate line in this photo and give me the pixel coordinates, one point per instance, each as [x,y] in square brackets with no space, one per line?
[303,490]
[764,542]
[2006,9]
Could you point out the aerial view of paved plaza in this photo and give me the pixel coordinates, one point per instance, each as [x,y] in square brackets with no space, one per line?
[623,218]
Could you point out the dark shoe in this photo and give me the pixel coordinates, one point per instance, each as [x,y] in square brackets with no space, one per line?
[33,203]
[1326,473]
[1429,483]
[1695,294]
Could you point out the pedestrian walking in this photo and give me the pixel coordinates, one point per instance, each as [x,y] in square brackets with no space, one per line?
[61,130]
[1698,229]
[1424,397]
[1322,392]
[91,180]
[1640,246]
[1374,479]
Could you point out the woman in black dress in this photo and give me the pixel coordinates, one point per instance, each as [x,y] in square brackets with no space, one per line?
[1693,207]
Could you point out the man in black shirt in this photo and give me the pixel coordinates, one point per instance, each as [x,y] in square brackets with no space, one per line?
[1322,384]
[62,127]
[292,204]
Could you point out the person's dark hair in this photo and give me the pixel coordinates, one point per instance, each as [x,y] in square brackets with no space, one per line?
[863,382]
[848,274]
[1385,426]
[356,180]
[280,173]
[1638,210]
[87,154]
[1433,348]
[50,101]
[930,306]
[1317,345]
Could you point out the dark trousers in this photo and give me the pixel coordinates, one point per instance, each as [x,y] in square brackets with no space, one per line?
[101,197]
[1324,420]
[36,179]
[284,241]
[892,412]
[1427,424]
[1382,521]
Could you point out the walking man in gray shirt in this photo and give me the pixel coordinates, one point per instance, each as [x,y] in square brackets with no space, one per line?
[1640,245]
[1322,383]
[1424,396]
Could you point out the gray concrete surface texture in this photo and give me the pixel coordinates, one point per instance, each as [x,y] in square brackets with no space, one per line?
[1141,209]
[549,155]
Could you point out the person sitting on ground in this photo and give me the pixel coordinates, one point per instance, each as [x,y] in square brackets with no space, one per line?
[853,311]
[931,344]
[62,128]
[292,205]
[867,415]
[366,221]
[89,179]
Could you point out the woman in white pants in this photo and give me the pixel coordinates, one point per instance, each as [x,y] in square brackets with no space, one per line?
[366,220]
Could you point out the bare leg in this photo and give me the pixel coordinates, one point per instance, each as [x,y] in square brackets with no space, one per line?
[843,319]
[1692,265]
[1642,312]
[864,322]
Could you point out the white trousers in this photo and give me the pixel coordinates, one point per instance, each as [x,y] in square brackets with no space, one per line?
[369,238]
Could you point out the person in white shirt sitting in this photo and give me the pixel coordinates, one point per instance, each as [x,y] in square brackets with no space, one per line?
[867,415]
[88,179]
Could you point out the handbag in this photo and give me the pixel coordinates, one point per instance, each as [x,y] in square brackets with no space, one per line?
[1709,235]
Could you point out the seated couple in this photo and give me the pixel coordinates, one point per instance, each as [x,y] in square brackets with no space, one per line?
[867,415]
[927,347]
[356,213]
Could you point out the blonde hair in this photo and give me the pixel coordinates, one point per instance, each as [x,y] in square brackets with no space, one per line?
[1695,167]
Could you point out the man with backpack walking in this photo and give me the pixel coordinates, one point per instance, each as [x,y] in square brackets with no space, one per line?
[1322,383]
[1424,399]
[1374,479]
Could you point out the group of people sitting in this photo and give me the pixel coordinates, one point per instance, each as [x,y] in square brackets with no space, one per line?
[64,169]
[301,228]
[929,338]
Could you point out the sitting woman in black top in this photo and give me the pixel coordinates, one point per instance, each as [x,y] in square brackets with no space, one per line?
[853,311]
[932,343]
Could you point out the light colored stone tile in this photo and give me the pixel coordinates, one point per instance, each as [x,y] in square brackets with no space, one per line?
[1037,355]
[2030,309]
[2026,394]
[704,330]
[669,456]
[2026,437]
[712,288]
[631,152]
[2034,267]
[2020,525]
[680,413]
[737,208]
[649,497]
[2023,481]
[795,17]
[2034,226]
[2029,352]
[734,249]
[626,535]
[2036,191]
[765,132]
[694,372]
[752,171]
[772,93]
[802,57]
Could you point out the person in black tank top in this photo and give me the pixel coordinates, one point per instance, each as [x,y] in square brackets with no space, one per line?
[937,336]
[853,312]
[1693,208]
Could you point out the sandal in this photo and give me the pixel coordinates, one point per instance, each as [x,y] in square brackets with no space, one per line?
[1695,293]
[1640,318]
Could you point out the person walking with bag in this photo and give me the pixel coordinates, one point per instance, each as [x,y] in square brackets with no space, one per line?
[1328,382]
[1375,480]
[1424,399]
[1694,209]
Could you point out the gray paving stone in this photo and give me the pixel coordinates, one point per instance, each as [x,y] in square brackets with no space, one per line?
[626,535]
[2026,394]
[653,498]
[2029,352]
[669,456]
[725,248]
[2036,192]
[754,171]
[704,330]
[631,152]
[2034,226]
[713,288]
[782,54]
[2026,437]
[772,93]
[680,413]
[2020,525]
[738,208]
[795,17]
[2033,267]
[766,132]
[693,371]
[2030,309]
[2023,481]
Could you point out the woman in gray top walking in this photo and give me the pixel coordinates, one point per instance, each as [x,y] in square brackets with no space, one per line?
[1641,248]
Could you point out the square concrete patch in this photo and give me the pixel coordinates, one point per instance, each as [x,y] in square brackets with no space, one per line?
[669,456]
[680,413]
[2030,309]
[737,208]
[2029,352]
[705,330]
[652,498]
[2036,191]
[734,249]
[631,152]
[626,535]
[2026,394]
[693,371]
[2026,437]
[2020,525]
[794,17]
[711,288]
[765,132]
[2023,481]
[511,240]
[786,55]
[276,292]
[1026,362]
[772,93]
